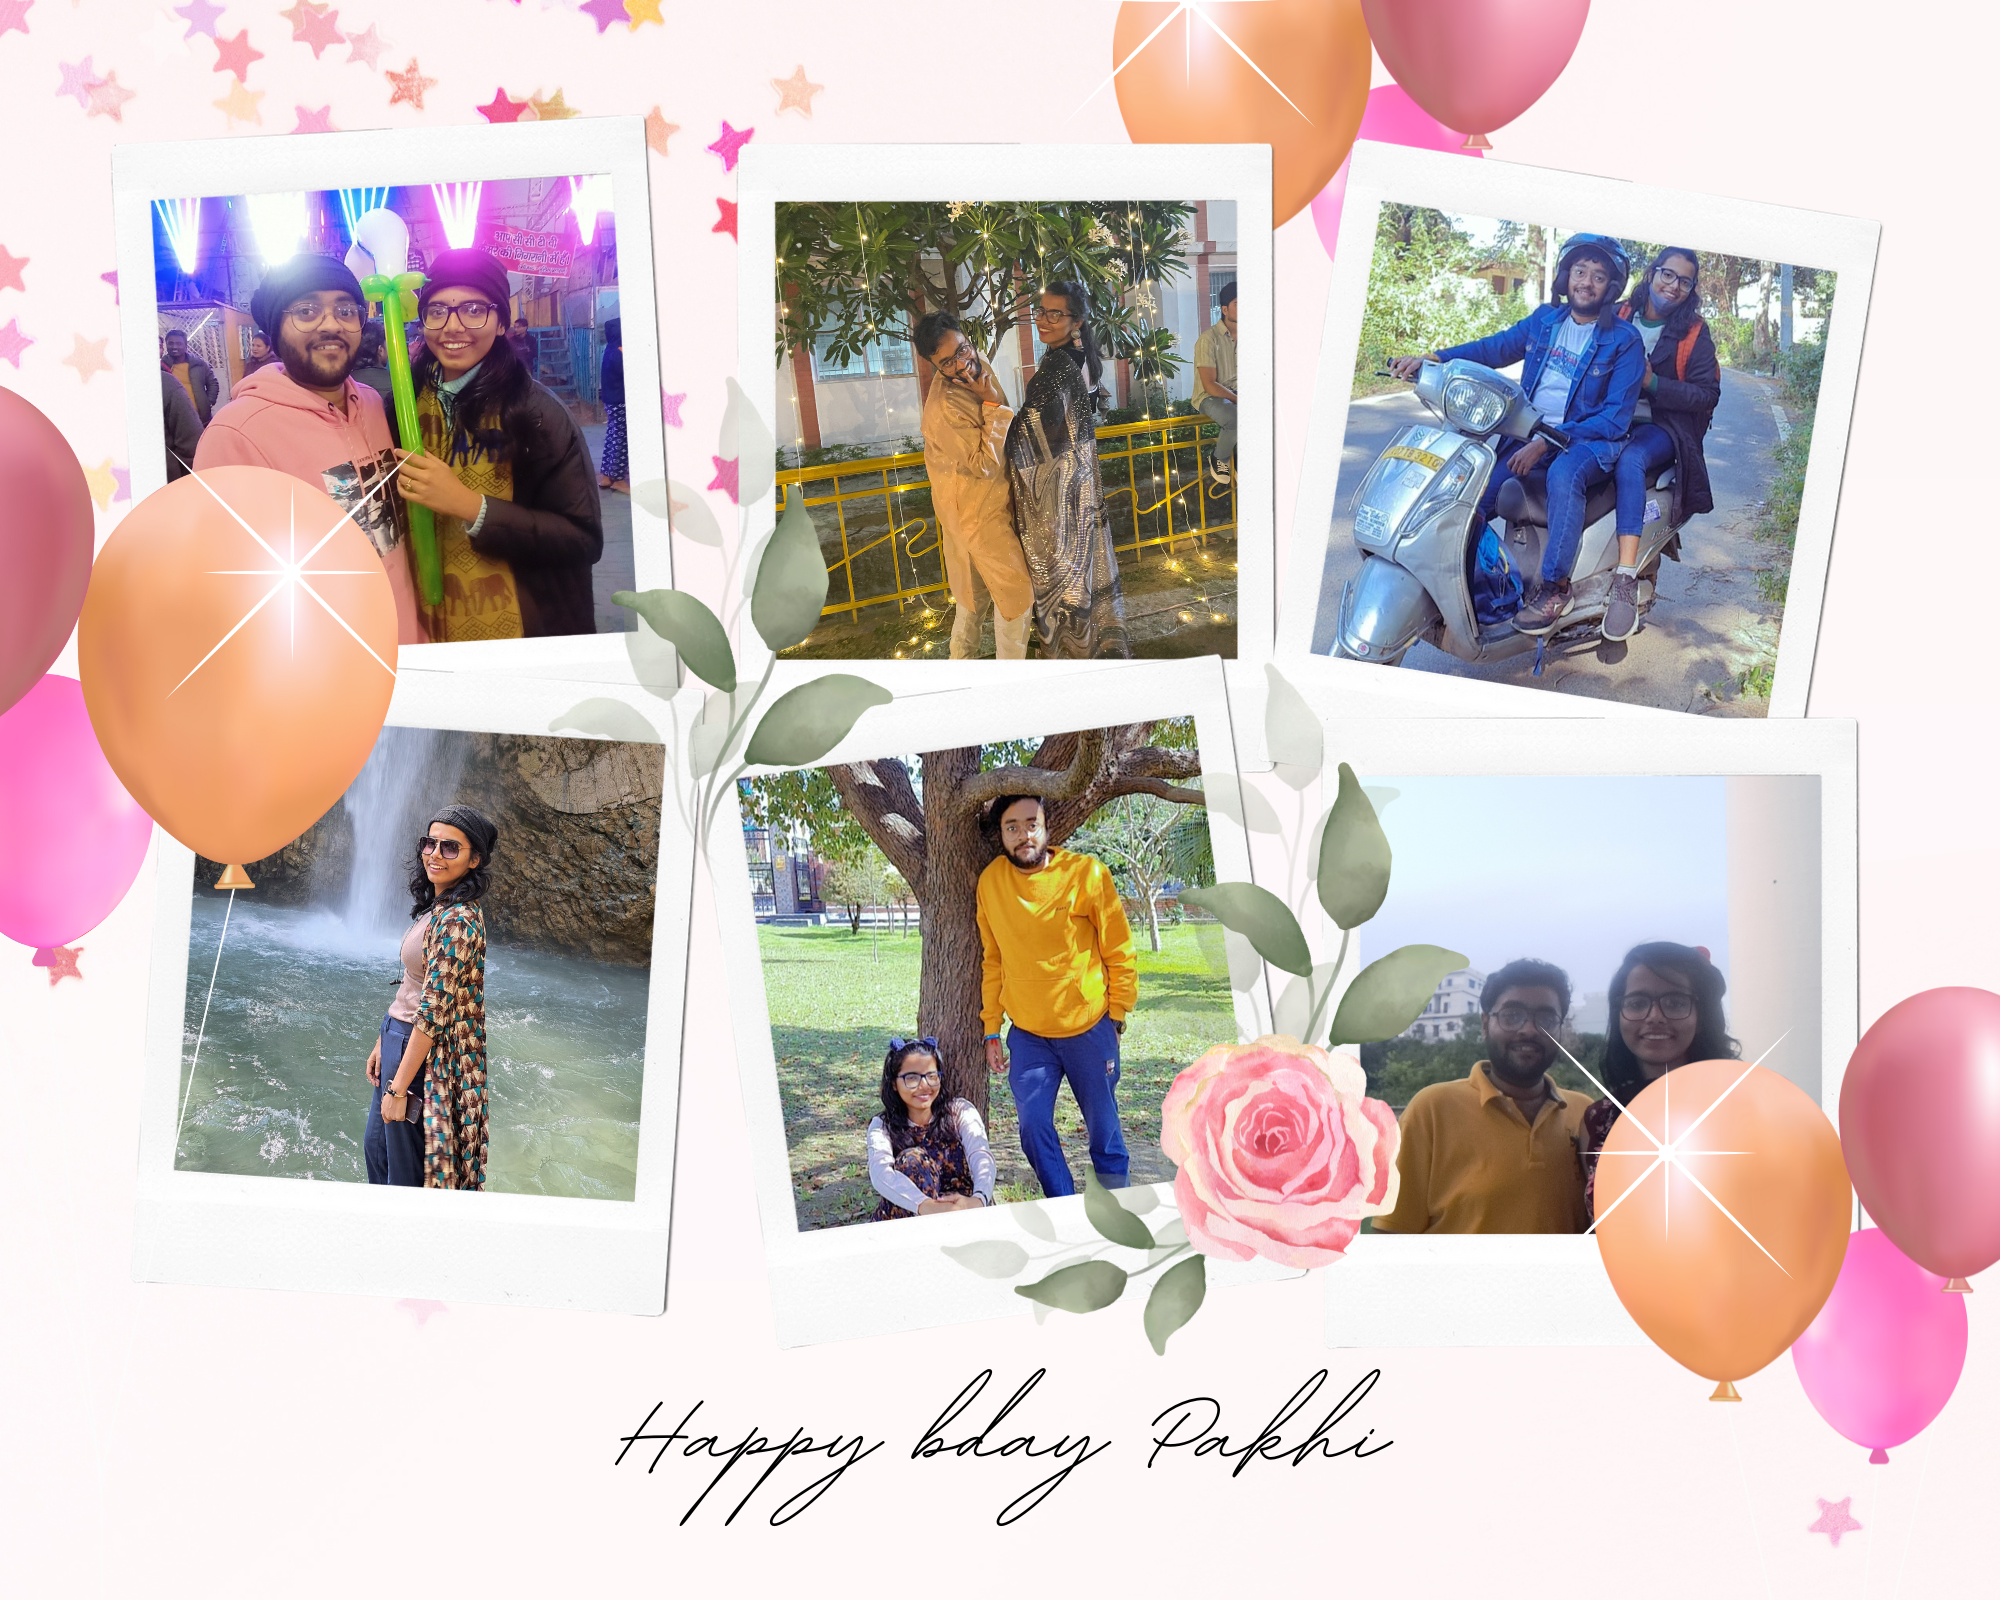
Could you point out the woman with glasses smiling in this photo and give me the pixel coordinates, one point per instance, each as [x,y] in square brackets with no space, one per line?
[507,475]
[1666,1010]
[925,1157]
[427,1120]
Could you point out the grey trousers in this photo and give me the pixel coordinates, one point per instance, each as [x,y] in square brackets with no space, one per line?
[1222,412]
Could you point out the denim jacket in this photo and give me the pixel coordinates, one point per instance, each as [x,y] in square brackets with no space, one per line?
[1599,412]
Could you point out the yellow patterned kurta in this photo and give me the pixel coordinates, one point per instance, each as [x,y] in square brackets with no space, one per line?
[453,1012]
[480,601]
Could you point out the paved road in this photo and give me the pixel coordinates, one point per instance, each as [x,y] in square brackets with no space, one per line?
[614,570]
[1708,623]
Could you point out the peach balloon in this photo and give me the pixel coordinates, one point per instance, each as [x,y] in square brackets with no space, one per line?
[1189,86]
[1723,1300]
[234,704]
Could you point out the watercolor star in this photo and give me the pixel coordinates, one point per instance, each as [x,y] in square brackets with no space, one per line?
[102,484]
[410,86]
[725,476]
[108,97]
[365,47]
[61,962]
[796,93]
[320,29]
[199,16]
[14,15]
[726,223]
[551,109]
[320,121]
[88,356]
[670,408]
[501,109]
[123,475]
[1834,1519]
[240,104]
[643,11]
[235,55]
[77,80]
[659,130]
[730,144]
[422,1310]
[10,270]
[112,279]
[13,341]
[604,12]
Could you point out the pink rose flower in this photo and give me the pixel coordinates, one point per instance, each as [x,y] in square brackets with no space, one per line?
[1281,1153]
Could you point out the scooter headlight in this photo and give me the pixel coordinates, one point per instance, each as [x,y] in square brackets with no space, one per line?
[1472,406]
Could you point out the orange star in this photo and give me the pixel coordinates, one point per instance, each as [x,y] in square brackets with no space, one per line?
[659,130]
[88,356]
[410,86]
[551,109]
[796,93]
[643,11]
[240,104]
[103,482]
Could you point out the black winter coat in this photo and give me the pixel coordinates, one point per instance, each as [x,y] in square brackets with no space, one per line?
[1683,404]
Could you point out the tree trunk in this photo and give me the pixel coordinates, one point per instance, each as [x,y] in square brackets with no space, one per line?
[854,919]
[1153,920]
[948,992]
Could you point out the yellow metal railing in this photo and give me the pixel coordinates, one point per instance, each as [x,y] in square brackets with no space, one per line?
[1154,468]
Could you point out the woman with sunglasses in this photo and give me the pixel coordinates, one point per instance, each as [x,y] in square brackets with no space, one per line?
[1058,490]
[427,1120]
[1677,400]
[506,473]
[1666,1010]
[925,1156]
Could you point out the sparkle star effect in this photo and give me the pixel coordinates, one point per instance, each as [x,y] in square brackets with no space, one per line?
[292,575]
[1834,1519]
[1193,9]
[731,144]
[796,93]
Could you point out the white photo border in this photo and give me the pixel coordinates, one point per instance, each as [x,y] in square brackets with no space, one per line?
[1383,173]
[359,1238]
[401,158]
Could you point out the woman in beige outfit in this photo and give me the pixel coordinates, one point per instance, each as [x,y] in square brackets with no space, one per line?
[965,423]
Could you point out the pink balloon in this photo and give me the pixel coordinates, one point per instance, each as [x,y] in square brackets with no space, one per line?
[71,838]
[1392,117]
[47,533]
[1475,64]
[1920,1127]
[1884,1354]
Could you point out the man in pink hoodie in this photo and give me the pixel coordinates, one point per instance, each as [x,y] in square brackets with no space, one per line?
[305,415]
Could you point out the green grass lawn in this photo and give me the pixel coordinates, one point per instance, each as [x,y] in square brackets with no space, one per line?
[836,998]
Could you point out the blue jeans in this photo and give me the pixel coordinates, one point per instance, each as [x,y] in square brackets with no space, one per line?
[1647,448]
[1036,1068]
[394,1151]
[1568,479]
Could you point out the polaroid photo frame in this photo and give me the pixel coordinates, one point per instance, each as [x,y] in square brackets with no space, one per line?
[614,146]
[1384,174]
[850,1282]
[1544,1289]
[361,1238]
[770,174]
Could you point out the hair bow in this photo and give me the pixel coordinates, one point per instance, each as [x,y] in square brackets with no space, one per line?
[928,1041]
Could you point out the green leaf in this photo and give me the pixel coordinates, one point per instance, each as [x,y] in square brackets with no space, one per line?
[691,628]
[1174,1300]
[990,1258]
[604,718]
[1292,732]
[1087,1286]
[1353,857]
[790,592]
[1261,917]
[1033,1219]
[744,439]
[1294,1008]
[805,723]
[1103,1212]
[1386,996]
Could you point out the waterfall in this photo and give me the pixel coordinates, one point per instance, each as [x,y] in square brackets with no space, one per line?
[410,774]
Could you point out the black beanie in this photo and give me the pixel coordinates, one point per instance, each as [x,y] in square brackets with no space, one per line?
[466,269]
[301,275]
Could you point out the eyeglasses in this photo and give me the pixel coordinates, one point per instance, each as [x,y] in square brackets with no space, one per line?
[916,1080]
[310,313]
[446,848]
[1675,1006]
[959,360]
[1050,314]
[1514,1018]
[472,314]
[1668,275]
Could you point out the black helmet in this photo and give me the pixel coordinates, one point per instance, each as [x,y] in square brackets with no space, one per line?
[1596,244]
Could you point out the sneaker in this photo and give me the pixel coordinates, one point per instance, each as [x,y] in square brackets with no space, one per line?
[1621,615]
[1543,609]
[1221,471]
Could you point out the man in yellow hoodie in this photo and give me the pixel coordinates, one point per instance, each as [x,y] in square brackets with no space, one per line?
[1058,961]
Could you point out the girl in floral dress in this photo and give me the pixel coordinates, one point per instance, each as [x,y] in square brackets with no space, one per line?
[925,1156]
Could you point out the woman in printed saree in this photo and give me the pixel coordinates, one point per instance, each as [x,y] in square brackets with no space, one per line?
[1059,492]
[506,472]
[926,1154]
[427,1121]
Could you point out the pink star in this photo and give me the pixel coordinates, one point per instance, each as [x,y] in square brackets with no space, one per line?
[14,15]
[61,962]
[10,270]
[602,12]
[725,477]
[122,476]
[235,55]
[13,341]
[318,26]
[726,223]
[501,109]
[108,97]
[320,121]
[365,47]
[77,80]
[199,16]
[410,85]
[1834,1520]
[731,142]
[670,408]
[422,1310]
[112,279]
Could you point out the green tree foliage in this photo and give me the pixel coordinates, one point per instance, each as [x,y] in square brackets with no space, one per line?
[1420,296]
[856,884]
[1398,1068]
[803,801]
[1140,838]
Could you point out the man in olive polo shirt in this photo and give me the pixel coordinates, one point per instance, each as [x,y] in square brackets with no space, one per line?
[1495,1151]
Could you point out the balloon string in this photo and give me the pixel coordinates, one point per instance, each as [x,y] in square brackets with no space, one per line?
[202,1032]
[1747,1507]
[1910,1533]
[1868,1547]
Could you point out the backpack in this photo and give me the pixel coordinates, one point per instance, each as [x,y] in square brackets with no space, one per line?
[1496,585]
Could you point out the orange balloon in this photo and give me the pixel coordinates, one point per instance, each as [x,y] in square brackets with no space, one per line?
[1723,1300]
[1189,86]
[237,681]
